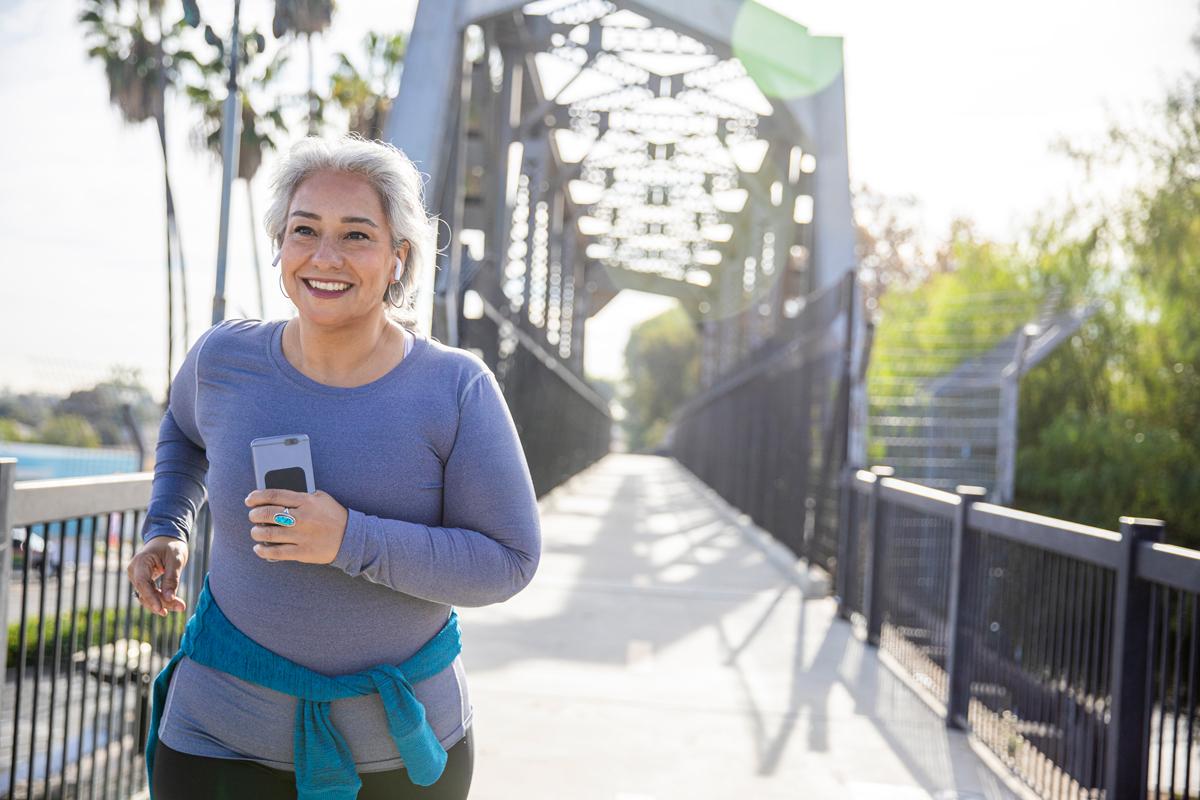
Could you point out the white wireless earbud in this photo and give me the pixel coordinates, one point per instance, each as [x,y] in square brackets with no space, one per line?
[399,269]
[278,256]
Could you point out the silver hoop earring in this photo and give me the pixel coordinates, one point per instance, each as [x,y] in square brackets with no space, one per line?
[387,296]
[285,294]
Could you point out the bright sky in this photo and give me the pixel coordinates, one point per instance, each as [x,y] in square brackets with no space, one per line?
[954,103]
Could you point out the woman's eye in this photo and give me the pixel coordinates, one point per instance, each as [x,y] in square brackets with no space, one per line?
[303,230]
[357,235]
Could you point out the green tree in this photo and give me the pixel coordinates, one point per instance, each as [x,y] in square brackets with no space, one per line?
[71,430]
[142,56]
[889,247]
[30,409]
[1113,425]
[305,18]
[262,118]
[11,430]
[663,366]
[968,304]
[102,406]
[367,94]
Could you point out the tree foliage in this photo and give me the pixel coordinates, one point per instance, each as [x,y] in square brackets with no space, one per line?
[889,246]
[89,417]
[262,107]
[71,430]
[662,371]
[366,94]
[1109,424]
[1112,426]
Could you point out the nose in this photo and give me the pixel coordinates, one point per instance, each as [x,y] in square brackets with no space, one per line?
[327,254]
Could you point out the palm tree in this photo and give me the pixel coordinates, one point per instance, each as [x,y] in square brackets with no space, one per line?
[260,128]
[142,55]
[305,17]
[367,94]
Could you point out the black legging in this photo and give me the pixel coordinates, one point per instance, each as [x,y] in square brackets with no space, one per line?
[180,776]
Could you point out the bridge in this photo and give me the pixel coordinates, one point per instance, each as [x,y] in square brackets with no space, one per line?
[757,613]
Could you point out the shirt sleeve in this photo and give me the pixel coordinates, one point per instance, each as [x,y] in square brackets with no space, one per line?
[489,545]
[180,462]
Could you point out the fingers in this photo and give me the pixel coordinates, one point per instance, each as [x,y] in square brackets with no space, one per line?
[277,497]
[170,584]
[160,560]
[278,552]
[272,534]
[266,514]
[143,569]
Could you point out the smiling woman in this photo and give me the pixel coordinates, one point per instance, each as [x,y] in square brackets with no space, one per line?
[351,233]
[323,655]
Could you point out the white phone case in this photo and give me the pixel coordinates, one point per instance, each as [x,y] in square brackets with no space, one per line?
[282,455]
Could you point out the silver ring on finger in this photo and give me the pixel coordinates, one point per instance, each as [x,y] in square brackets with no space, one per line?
[285,518]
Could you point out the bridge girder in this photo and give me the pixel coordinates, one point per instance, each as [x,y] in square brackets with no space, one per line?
[489,136]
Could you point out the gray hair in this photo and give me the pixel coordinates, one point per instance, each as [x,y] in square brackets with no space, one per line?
[397,182]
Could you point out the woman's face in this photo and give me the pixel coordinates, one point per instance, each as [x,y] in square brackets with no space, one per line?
[336,233]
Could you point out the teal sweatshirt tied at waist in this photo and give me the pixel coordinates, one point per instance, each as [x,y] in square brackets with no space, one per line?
[324,766]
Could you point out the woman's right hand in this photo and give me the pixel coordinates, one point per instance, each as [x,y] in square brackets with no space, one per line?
[165,557]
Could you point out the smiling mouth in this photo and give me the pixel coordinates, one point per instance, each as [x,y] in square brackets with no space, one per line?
[327,288]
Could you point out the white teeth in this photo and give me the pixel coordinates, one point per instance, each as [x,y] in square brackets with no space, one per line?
[328,287]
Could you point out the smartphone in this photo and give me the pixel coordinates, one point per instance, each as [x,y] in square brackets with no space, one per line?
[283,462]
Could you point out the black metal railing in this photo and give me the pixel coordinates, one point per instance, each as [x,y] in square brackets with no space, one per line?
[1068,651]
[770,437]
[1173,574]
[81,652]
[563,423]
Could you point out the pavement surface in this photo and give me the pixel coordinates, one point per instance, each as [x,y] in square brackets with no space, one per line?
[667,648]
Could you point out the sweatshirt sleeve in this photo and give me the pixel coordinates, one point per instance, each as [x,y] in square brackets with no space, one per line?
[489,545]
[180,462]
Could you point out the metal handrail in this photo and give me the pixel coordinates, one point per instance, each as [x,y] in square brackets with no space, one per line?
[64,498]
[548,360]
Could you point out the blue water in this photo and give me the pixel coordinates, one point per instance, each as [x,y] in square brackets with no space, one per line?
[38,461]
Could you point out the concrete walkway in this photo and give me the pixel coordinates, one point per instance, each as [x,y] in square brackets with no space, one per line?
[660,653]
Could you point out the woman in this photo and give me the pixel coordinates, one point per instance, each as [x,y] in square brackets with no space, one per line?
[423,501]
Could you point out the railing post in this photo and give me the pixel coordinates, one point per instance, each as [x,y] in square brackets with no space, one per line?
[964,554]
[8,475]
[875,565]
[847,542]
[1128,746]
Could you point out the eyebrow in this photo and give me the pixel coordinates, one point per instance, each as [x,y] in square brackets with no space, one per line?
[310,215]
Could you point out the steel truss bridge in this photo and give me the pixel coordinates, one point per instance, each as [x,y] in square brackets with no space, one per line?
[576,148]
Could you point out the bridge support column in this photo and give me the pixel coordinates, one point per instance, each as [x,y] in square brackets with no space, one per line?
[8,474]
[873,603]
[964,555]
[1128,745]
[847,541]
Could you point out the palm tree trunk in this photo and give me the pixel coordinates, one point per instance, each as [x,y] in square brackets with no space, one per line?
[160,119]
[183,292]
[262,312]
[170,272]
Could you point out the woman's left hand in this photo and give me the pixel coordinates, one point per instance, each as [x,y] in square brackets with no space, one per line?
[314,539]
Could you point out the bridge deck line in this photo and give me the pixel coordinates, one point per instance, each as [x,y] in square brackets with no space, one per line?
[660,652]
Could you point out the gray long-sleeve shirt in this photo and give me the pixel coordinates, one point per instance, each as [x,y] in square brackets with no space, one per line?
[442,512]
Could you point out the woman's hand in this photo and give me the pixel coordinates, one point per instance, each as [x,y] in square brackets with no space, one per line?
[165,557]
[314,539]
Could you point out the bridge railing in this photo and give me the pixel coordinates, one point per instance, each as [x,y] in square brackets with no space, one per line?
[81,652]
[564,424]
[1069,651]
[770,437]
